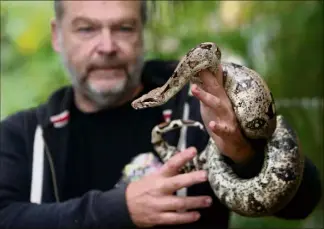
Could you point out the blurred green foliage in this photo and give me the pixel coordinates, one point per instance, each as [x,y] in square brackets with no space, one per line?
[282,40]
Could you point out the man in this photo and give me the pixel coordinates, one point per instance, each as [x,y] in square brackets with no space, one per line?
[61,162]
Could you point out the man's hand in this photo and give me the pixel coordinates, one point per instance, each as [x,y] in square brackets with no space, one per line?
[219,117]
[151,200]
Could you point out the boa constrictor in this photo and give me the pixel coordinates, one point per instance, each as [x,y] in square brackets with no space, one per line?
[254,106]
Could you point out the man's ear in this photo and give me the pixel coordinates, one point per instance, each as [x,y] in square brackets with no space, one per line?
[55,35]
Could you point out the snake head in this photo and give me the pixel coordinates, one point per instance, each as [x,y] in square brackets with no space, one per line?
[150,99]
[211,48]
[206,55]
[142,103]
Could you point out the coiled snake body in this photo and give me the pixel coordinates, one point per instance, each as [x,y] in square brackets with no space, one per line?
[254,107]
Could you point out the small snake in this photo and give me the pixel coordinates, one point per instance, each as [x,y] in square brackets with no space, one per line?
[255,111]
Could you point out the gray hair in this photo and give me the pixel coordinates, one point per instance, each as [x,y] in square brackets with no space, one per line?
[59,10]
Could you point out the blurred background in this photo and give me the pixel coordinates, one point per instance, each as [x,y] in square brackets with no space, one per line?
[282,40]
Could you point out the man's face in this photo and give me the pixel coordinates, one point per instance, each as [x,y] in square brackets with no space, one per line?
[101,46]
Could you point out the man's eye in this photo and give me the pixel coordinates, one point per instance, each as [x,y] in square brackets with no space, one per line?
[126,28]
[85,29]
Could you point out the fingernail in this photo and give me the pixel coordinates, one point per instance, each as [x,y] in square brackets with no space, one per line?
[192,151]
[212,124]
[208,201]
[204,176]
[196,215]
[195,87]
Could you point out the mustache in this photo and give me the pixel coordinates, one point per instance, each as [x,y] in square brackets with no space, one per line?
[109,64]
[106,64]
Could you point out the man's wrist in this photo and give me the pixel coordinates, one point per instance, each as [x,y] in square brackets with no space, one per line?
[249,162]
[244,155]
[111,208]
[241,151]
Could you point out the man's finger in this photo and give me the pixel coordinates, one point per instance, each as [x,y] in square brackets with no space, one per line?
[212,83]
[206,98]
[184,180]
[221,129]
[173,218]
[174,164]
[183,203]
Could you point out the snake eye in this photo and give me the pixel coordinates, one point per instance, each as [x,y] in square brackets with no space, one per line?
[206,46]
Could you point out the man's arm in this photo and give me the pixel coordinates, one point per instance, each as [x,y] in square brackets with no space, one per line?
[94,209]
[307,196]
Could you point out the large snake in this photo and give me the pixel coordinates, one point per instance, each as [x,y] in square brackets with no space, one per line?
[254,106]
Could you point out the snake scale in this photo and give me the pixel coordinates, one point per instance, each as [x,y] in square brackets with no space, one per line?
[254,106]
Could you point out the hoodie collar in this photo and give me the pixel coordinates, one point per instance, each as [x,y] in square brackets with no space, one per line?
[56,111]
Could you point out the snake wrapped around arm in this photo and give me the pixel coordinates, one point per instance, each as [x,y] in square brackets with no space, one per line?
[254,107]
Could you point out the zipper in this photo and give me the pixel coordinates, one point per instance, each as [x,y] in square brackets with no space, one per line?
[51,164]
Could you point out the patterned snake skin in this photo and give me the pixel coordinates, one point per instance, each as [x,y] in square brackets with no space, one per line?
[254,107]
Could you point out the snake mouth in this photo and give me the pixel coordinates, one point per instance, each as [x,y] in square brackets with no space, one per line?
[144,103]
[149,100]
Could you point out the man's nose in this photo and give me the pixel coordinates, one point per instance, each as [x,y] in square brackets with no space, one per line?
[106,44]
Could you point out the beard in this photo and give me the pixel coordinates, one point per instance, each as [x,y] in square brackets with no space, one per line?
[108,97]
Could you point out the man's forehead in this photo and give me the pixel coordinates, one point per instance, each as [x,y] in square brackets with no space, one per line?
[102,10]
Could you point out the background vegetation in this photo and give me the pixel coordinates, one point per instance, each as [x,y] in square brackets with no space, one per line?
[282,40]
